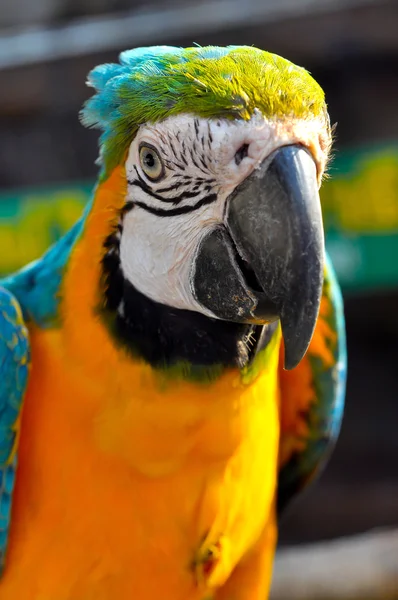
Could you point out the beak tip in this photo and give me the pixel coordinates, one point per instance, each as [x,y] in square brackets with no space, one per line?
[291,362]
[296,341]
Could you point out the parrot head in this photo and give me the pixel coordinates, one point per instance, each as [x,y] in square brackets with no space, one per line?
[223,151]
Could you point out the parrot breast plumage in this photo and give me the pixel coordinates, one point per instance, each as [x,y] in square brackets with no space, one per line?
[158,436]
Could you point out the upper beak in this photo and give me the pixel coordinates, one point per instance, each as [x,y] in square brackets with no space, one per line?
[274,262]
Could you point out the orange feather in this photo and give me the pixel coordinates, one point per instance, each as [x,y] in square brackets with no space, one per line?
[131,485]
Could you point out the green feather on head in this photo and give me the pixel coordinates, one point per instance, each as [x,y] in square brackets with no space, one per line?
[151,84]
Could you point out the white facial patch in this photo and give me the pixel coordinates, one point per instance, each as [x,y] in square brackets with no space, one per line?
[203,161]
[157,254]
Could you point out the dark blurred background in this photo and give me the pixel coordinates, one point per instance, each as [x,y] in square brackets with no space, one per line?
[351,47]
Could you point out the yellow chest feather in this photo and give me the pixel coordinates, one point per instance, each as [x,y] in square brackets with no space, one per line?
[131,485]
[147,488]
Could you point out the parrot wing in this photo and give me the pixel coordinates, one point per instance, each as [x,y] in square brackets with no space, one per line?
[14,368]
[312,397]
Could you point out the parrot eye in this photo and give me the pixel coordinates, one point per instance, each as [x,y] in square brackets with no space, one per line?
[151,162]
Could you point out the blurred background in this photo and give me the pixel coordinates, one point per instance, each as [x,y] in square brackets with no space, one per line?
[351,47]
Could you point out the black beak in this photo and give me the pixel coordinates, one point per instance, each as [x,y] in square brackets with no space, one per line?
[272,252]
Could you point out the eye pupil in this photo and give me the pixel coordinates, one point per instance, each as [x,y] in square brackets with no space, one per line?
[149,160]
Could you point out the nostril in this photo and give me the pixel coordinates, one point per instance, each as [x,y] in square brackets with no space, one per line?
[241,153]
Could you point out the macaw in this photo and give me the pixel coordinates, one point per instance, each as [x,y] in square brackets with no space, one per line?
[172,370]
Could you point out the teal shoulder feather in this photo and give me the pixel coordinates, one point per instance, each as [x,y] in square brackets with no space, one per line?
[14,369]
[312,397]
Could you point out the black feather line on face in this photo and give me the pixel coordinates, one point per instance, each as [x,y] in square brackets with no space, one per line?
[198,188]
[193,152]
[163,335]
[202,159]
[174,212]
[173,187]
[174,200]
[183,159]
[209,136]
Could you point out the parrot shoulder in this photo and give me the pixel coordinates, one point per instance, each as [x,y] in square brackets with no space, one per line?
[14,370]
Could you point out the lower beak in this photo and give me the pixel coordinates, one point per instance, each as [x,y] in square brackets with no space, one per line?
[271,251]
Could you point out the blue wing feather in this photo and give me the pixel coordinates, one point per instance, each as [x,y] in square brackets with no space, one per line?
[321,419]
[14,371]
